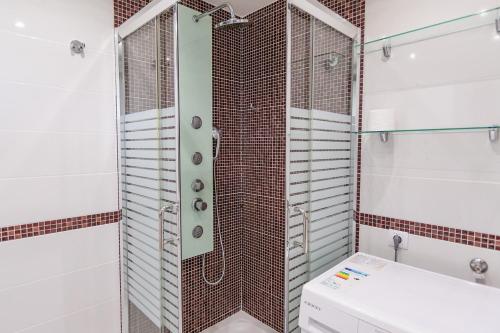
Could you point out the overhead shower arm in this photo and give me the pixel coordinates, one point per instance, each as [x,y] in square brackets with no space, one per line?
[196,18]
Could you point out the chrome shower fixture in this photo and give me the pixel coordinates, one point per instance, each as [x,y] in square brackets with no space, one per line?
[332,61]
[232,22]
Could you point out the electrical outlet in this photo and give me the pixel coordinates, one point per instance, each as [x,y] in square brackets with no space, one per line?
[403,235]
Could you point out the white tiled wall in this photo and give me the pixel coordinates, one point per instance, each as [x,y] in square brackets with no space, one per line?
[60,283]
[58,149]
[57,119]
[449,179]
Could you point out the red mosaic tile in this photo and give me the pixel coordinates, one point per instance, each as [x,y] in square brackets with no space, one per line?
[466,237]
[60,225]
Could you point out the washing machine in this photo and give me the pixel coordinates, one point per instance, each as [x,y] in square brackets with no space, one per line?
[367,294]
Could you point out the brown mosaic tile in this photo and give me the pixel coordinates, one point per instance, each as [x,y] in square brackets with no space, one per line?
[263,160]
[460,236]
[60,225]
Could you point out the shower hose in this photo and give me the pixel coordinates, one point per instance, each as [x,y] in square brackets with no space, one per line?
[220,237]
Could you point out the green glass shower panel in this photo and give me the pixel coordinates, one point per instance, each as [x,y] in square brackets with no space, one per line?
[196,160]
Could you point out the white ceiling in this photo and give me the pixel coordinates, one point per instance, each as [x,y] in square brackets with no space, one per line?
[243,7]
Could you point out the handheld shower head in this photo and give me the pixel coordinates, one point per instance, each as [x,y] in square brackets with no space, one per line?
[216,135]
[232,22]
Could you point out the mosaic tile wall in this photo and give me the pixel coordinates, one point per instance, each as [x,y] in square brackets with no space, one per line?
[263,150]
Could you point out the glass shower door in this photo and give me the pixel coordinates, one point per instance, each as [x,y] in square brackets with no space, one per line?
[320,166]
[149,183]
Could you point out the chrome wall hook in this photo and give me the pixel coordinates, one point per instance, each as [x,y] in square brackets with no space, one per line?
[493,134]
[77,47]
[497,23]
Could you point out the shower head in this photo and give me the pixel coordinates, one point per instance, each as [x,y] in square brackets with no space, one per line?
[231,23]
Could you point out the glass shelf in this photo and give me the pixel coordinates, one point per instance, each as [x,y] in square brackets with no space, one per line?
[431,130]
[464,23]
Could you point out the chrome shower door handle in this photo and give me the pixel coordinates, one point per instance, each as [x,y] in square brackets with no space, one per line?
[305,225]
[161,216]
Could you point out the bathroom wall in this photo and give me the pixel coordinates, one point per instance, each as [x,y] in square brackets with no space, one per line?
[58,177]
[441,188]
[263,158]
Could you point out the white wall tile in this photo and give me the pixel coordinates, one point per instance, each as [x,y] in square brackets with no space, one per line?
[102,318]
[456,204]
[36,61]
[448,105]
[445,179]
[432,254]
[57,110]
[26,200]
[57,281]
[32,154]
[61,21]
[41,108]
[38,258]
[58,296]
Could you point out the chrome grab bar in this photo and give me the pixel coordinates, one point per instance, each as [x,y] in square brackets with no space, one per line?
[172,207]
[305,223]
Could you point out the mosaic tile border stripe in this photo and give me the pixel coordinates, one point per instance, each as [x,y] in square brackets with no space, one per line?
[454,235]
[50,227]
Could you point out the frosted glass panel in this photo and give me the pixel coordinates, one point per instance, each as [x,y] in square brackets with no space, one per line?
[320,153]
[149,175]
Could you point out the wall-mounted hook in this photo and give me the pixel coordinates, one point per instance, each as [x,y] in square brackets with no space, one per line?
[387,50]
[497,22]
[493,134]
[77,47]
[384,136]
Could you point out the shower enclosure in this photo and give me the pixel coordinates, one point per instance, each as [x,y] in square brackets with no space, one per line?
[167,186]
[321,96]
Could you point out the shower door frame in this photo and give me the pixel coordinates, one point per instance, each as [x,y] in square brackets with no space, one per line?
[132,24]
[319,12]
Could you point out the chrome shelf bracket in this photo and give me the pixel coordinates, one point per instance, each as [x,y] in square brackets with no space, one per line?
[493,134]
[387,50]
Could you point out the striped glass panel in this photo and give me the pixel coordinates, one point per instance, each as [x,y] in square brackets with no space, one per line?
[148,146]
[320,169]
